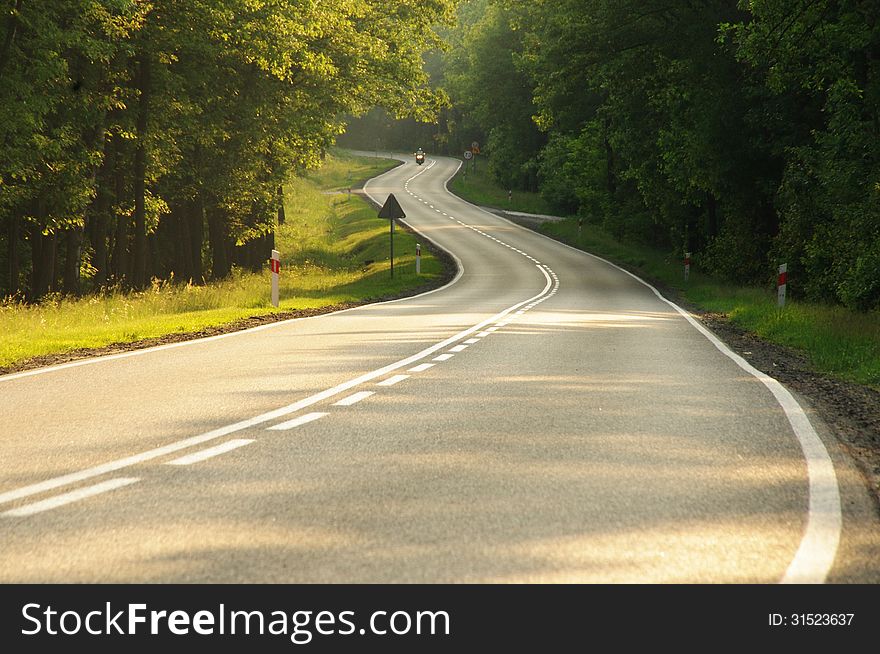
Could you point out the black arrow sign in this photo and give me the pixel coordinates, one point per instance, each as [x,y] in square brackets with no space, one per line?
[391,209]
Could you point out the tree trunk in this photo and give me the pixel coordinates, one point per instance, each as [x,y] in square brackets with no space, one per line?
[11,30]
[281,216]
[120,245]
[221,264]
[139,278]
[12,253]
[43,260]
[196,225]
[712,215]
[179,234]
[72,261]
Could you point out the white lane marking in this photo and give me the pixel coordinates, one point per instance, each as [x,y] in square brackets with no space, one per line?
[471,341]
[202,455]
[818,549]
[72,496]
[393,380]
[300,420]
[354,398]
[111,466]
[492,329]
[421,367]
[458,348]
[487,332]
[443,357]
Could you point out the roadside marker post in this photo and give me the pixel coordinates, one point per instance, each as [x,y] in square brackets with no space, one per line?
[687,266]
[391,211]
[275,264]
[418,259]
[781,282]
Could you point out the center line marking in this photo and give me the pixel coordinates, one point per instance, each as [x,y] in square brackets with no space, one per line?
[458,348]
[72,496]
[443,357]
[296,422]
[195,457]
[421,367]
[393,380]
[354,398]
[135,459]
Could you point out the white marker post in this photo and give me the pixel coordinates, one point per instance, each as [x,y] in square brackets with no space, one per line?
[275,264]
[780,284]
[418,259]
[687,265]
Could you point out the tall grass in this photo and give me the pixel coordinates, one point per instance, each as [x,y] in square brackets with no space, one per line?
[334,251]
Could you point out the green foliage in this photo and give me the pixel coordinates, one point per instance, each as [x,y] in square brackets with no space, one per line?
[147,139]
[745,132]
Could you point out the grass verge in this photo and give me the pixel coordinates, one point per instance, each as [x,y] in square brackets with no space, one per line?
[334,252]
[837,341]
[479,187]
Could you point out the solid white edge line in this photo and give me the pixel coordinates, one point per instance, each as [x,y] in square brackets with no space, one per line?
[111,466]
[210,452]
[815,556]
[72,496]
[250,330]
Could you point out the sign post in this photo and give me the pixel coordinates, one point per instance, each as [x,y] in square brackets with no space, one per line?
[418,259]
[687,265]
[391,211]
[780,284]
[275,264]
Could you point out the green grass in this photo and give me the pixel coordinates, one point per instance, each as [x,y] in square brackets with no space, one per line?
[479,187]
[839,342]
[334,250]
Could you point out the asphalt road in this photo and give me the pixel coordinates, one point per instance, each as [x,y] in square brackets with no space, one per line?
[545,417]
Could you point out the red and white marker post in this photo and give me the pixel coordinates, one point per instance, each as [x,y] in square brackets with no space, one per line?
[780,284]
[275,265]
[687,265]
[418,259]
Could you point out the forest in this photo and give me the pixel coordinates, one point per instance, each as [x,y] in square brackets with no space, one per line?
[745,132]
[150,139]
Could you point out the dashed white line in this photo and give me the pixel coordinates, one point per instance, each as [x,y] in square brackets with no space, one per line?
[72,496]
[458,348]
[421,367]
[354,398]
[296,422]
[393,380]
[195,457]
[471,341]
[443,357]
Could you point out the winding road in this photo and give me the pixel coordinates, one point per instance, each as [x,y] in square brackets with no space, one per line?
[544,417]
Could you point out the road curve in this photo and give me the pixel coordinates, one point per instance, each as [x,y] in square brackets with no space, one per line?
[545,417]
